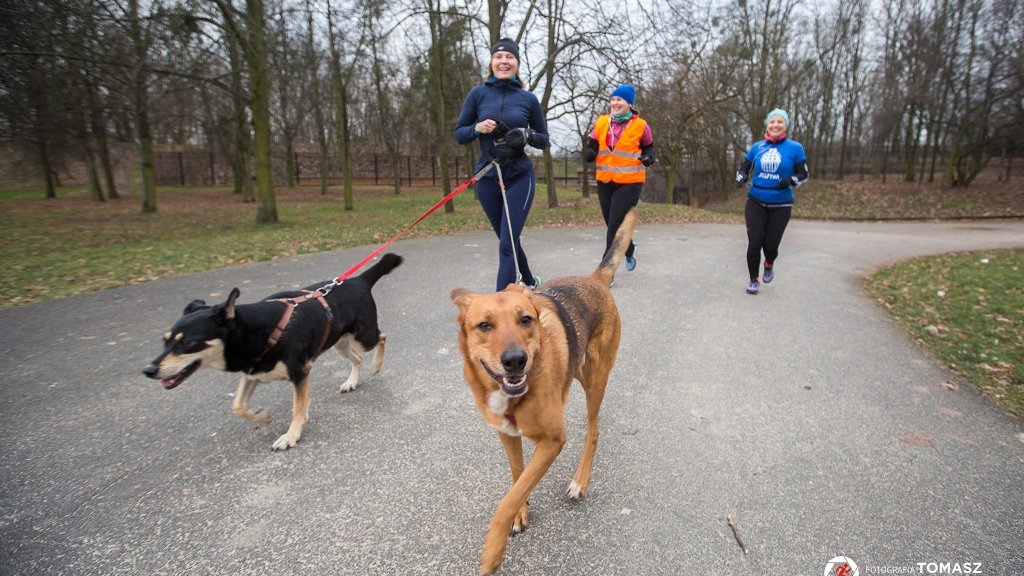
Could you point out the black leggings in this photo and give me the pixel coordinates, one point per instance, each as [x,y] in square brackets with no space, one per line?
[616,200]
[765,226]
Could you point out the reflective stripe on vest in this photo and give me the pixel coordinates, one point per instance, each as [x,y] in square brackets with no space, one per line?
[621,164]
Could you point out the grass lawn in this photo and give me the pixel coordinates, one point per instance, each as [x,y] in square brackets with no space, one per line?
[968,310]
[73,244]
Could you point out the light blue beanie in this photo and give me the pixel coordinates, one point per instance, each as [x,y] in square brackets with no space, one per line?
[626,92]
[777,112]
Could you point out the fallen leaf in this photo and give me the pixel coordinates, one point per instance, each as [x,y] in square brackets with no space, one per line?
[917,440]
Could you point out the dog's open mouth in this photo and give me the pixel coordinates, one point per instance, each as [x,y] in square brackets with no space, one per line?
[513,385]
[180,377]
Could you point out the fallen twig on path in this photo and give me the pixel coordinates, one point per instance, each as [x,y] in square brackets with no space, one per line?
[737,535]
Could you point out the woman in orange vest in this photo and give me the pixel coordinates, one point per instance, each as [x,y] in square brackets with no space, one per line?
[623,146]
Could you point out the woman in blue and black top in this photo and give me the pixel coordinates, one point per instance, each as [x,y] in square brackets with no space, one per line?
[505,117]
[779,164]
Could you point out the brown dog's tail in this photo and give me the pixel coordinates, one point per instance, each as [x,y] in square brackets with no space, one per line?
[388,262]
[617,252]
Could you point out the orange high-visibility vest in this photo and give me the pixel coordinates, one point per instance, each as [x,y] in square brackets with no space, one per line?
[621,164]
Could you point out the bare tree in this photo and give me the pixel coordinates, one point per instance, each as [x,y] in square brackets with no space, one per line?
[770,70]
[289,110]
[383,74]
[444,27]
[249,29]
[317,105]
[991,82]
[140,39]
[341,77]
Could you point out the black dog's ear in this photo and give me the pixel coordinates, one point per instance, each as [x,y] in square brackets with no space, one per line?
[226,310]
[195,305]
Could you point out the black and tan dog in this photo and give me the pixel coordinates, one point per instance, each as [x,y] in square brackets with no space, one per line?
[277,338]
[521,350]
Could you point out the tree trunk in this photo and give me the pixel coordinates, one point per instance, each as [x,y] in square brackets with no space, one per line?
[146,155]
[289,160]
[99,132]
[140,101]
[240,168]
[345,144]
[47,167]
[318,111]
[259,80]
[339,83]
[437,62]
[95,190]
[670,184]
[549,178]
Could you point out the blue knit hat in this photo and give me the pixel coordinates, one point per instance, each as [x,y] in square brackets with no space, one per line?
[777,112]
[626,92]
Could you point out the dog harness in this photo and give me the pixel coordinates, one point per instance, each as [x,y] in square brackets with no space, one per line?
[286,317]
[572,337]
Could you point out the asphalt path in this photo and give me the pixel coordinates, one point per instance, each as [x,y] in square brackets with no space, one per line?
[803,415]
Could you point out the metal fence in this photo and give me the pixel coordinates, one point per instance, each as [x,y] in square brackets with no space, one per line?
[695,180]
[206,168]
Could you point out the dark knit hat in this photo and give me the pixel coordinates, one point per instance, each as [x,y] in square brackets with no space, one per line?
[626,92]
[506,45]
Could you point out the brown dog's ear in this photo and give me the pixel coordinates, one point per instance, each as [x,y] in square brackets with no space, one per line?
[462,297]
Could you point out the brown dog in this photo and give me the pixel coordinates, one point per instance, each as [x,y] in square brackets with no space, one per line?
[521,350]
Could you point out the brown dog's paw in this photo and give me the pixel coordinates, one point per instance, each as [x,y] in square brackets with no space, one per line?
[284,442]
[521,522]
[575,491]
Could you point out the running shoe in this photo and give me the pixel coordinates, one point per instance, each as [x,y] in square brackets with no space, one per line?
[631,260]
[769,273]
[754,287]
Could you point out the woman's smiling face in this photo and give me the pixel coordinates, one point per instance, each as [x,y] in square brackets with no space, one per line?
[776,126]
[618,105]
[504,65]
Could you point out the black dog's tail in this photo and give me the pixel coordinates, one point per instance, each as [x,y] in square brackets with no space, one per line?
[617,251]
[388,262]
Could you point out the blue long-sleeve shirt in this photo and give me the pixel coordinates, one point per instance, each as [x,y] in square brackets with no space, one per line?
[502,101]
[774,165]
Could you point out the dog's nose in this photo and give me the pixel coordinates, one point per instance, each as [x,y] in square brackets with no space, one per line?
[151,370]
[513,360]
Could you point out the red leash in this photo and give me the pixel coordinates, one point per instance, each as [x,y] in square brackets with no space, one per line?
[432,209]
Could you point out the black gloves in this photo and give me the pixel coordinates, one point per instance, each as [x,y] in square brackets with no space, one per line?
[517,138]
[741,179]
[743,173]
[784,183]
[647,154]
[590,152]
[509,142]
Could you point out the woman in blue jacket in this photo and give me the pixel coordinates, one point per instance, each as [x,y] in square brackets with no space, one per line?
[505,117]
[775,166]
